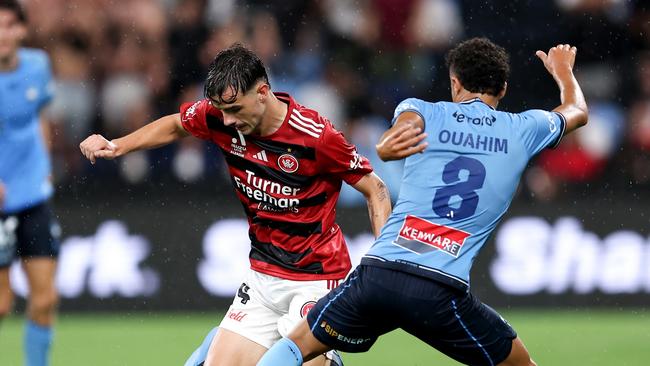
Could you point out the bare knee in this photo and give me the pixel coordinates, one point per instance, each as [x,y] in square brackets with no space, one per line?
[42,306]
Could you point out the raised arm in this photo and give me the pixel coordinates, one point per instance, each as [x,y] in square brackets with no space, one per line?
[403,139]
[378,198]
[559,63]
[157,133]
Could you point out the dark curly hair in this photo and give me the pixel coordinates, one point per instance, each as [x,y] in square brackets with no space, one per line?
[14,6]
[236,67]
[480,65]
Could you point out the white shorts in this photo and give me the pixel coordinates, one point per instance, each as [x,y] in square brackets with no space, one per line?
[267,308]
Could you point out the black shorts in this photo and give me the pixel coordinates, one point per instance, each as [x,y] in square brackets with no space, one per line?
[375,300]
[29,233]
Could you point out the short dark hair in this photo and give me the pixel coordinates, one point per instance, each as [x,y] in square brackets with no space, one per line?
[480,65]
[236,67]
[14,6]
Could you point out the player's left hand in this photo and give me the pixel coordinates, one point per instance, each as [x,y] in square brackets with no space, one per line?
[400,142]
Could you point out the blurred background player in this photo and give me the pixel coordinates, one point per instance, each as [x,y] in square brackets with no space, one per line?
[287,164]
[416,275]
[27,227]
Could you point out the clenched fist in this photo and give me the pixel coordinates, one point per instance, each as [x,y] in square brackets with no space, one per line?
[96,146]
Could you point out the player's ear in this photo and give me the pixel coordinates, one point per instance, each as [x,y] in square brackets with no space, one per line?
[502,93]
[456,86]
[263,90]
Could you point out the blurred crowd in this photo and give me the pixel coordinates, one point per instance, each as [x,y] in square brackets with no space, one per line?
[119,64]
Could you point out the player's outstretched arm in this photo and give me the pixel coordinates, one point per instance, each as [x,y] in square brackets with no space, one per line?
[157,133]
[559,63]
[403,139]
[378,199]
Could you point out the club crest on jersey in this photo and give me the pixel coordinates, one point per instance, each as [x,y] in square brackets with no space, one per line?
[288,163]
[422,236]
[306,307]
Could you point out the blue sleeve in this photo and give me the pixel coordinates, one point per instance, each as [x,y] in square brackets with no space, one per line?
[541,129]
[410,105]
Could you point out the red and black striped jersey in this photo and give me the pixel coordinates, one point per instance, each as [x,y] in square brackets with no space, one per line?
[288,183]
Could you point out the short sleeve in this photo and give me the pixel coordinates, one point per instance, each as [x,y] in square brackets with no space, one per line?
[337,156]
[541,129]
[193,118]
[410,105]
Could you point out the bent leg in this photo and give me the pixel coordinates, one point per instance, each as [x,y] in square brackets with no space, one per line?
[301,345]
[518,355]
[197,358]
[231,349]
[43,298]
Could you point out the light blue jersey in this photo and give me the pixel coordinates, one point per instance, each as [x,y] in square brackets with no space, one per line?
[24,161]
[455,192]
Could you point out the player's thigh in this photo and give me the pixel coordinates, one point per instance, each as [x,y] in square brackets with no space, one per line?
[518,356]
[349,318]
[463,328]
[231,349]
[6,295]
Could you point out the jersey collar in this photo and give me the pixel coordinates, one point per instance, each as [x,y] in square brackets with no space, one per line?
[477,99]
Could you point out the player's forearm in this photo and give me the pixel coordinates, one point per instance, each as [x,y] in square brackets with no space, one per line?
[573,107]
[155,134]
[46,131]
[379,206]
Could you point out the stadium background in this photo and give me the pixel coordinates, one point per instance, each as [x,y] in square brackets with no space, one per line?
[155,243]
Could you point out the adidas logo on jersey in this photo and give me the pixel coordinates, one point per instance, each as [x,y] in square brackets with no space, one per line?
[261,156]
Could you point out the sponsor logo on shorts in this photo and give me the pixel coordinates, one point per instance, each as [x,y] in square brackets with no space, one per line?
[238,316]
[306,307]
[243,293]
[288,163]
[340,337]
[422,236]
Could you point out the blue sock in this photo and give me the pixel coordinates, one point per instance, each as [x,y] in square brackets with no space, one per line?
[283,353]
[198,356]
[37,344]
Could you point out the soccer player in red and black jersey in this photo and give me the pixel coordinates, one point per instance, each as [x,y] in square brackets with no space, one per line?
[287,164]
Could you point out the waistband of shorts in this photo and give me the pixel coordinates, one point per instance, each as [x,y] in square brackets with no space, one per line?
[417,270]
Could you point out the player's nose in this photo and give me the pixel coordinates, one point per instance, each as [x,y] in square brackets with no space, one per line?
[229,120]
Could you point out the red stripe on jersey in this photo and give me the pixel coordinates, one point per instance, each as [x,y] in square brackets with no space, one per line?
[289,183]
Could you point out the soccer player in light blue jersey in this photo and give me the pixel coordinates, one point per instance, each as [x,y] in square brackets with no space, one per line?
[463,163]
[27,227]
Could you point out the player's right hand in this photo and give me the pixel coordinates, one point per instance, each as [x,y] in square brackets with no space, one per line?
[96,147]
[559,58]
[400,142]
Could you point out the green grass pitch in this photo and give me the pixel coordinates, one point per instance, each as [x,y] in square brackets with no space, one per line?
[562,337]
